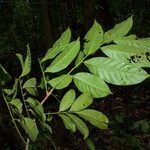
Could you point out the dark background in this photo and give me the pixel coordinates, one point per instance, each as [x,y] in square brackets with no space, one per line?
[40,23]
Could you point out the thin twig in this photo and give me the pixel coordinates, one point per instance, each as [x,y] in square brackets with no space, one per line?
[50,139]
[44,78]
[13,120]
[50,92]
[47,96]
[27,144]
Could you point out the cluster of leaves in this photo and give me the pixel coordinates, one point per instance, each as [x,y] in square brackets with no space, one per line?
[122,66]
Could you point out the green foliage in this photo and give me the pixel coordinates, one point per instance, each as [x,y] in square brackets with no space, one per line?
[64,58]
[59,45]
[117,68]
[68,123]
[84,82]
[116,72]
[93,38]
[4,76]
[61,81]
[81,126]
[27,63]
[30,127]
[118,31]
[18,105]
[67,100]
[83,101]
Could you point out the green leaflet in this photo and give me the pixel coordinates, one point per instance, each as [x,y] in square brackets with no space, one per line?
[27,63]
[45,125]
[30,86]
[65,58]
[126,38]
[90,143]
[13,90]
[67,100]
[37,107]
[82,102]
[61,81]
[131,54]
[94,39]
[18,104]
[68,123]
[116,72]
[79,58]
[4,76]
[95,117]
[81,126]
[119,30]
[42,83]
[20,59]
[88,83]
[32,91]
[58,46]
[30,83]
[30,127]
[140,43]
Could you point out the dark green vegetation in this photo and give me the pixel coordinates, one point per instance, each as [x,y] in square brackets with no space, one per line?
[40,24]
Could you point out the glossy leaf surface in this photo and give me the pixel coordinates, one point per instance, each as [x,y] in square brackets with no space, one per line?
[139,56]
[61,81]
[67,100]
[65,58]
[58,46]
[68,123]
[88,83]
[83,101]
[93,39]
[116,72]
[95,117]
[119,30]
[81,126]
